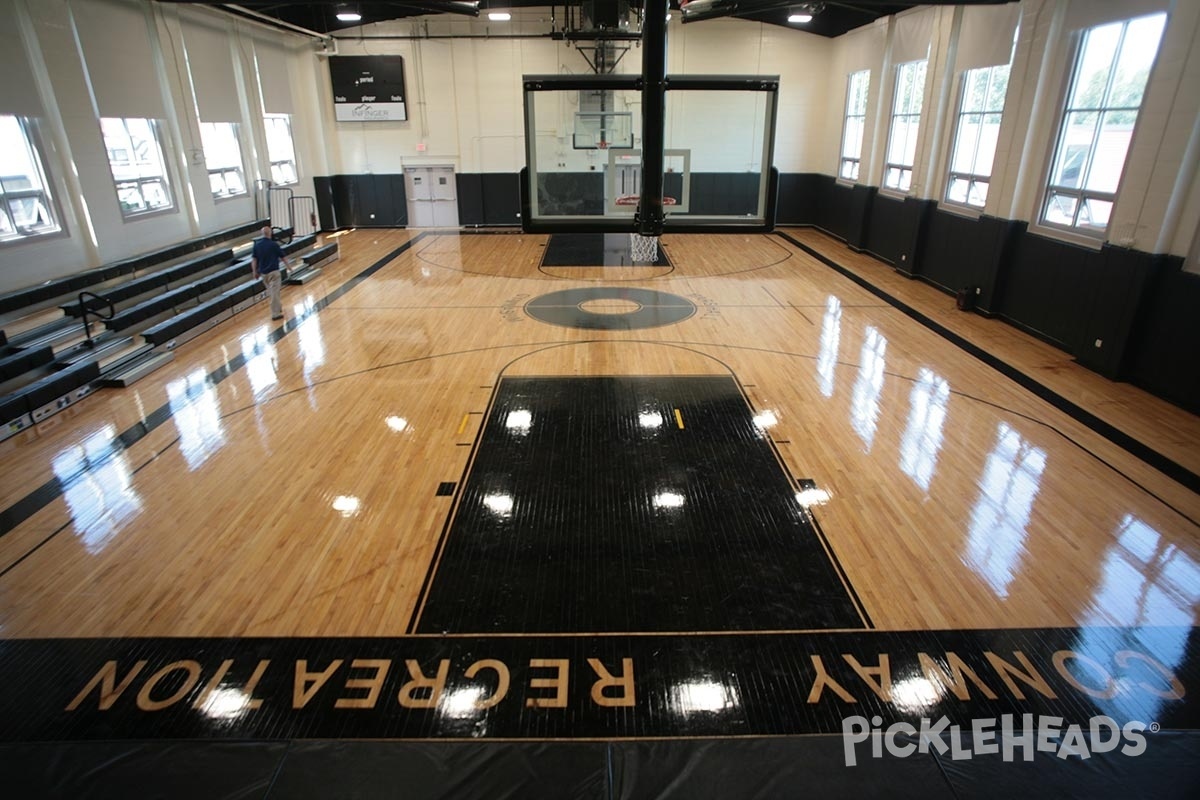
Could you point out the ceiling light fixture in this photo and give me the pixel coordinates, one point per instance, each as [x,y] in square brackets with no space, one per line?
[499,16]
[804,13]
[347,14]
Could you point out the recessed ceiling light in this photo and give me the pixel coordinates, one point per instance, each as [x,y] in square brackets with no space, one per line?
[349,16]
[800,18]
[499,16]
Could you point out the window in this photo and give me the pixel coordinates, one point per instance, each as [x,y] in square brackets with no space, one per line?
[137,165]
[280,149]
[1111,69]
[856,120]
[223,155]
[975,135]
[25,206]
[906,118]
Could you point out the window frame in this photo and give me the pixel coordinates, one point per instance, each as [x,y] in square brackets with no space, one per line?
[843,158]
[33,142]
[222,173]
[163,179]
[273,163]
[971,177]
[888,165]
[1088,235]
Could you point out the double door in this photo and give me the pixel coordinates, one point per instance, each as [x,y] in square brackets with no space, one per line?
[432,197]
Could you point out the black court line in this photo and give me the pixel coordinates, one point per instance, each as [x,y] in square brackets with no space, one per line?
[587,509]
[51,490]
[1172,469]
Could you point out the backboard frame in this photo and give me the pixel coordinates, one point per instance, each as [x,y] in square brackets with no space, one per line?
[761,222]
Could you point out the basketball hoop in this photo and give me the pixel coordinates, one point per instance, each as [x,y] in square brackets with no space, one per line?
[643,249]
[602,145]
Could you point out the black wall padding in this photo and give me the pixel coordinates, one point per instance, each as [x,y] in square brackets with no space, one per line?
[489,198]
[361,201]
[570,193]
[1140,306]
[1167,338]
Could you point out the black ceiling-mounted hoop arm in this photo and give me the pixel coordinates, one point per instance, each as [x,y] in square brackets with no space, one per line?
[650,215]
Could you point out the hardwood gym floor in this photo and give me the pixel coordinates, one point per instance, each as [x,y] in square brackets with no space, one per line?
[468,490]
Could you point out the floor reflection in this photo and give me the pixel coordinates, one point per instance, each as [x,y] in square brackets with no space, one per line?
[831,333]
[923,435]
[1010,482]
[98,487]
[196,412]
[260,361]
[864,405]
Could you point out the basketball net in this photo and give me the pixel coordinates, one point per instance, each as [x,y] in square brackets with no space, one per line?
[643,248]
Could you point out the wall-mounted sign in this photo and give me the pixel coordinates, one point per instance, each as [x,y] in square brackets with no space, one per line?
[368,88]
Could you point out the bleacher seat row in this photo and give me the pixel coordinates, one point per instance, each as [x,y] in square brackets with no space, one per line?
[45,384]
[50,290]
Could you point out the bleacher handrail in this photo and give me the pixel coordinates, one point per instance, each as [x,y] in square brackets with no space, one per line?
[84,311]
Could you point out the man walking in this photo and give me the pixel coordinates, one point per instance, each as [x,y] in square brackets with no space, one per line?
[264,263]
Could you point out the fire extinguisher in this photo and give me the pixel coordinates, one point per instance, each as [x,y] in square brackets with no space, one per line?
[312,218]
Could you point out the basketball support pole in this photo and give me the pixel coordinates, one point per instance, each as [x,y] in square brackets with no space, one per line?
[650,216]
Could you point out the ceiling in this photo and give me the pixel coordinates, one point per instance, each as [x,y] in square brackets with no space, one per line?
[834,19]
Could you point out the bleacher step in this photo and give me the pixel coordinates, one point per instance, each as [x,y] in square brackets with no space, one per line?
[49,333]
[102,348]
[134,371]
[302,276]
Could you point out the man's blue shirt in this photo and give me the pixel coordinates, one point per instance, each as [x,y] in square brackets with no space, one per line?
[267,253]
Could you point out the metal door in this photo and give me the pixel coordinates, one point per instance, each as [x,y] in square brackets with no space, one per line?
[432,197]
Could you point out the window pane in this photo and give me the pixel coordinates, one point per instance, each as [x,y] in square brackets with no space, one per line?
[905,179]
[975,90]
[850,170]
[216,183]
[957,193]
[859,86]
[130,198]
[965,140]
[1111,146]
[1060,209]
[1133,66]
[998,88]
[233,182]
[17,168]
[156,195]
[1076,143]
[279,138]
[1095,213]
[1099,52]
[978,194]
[221,148]
[6,227]
[852,141]
[891,177]
[989,136]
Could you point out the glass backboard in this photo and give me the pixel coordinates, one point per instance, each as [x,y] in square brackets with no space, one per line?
[718,149]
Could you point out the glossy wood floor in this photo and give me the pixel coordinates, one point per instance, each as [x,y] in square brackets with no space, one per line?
[288,486]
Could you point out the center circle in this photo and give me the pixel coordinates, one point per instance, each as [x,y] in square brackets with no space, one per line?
[606,306]
[610,308]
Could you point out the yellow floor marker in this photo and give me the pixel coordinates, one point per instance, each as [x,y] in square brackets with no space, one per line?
[679,419]
[463,425]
